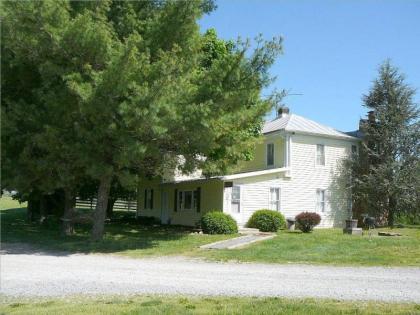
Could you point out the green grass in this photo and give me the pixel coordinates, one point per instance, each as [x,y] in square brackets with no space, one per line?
[323,246]
[126,237]
[200,305]
[9,203]
[331,246]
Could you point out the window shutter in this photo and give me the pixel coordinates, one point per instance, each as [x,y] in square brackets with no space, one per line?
[176,200]
[151,197]
[198,199]
[145,198]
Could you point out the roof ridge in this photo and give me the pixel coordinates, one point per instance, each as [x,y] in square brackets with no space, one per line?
[298,123]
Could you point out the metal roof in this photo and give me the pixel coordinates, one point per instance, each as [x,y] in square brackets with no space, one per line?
[299,124]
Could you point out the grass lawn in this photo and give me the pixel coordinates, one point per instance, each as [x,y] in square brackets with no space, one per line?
[125,237]
[324,246]
[200,305]
[331,246]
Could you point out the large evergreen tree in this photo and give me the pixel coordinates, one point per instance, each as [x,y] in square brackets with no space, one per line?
[119,90]
[387,174]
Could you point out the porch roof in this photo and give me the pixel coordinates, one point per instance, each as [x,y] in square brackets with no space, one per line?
[233,176]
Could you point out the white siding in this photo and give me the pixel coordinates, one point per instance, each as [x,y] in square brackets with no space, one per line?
[255,195]
[298,193]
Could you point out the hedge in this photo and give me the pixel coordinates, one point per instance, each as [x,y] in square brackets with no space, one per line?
[266,220]
[217,222]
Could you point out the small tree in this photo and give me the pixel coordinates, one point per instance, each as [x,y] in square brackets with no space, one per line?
[385,177]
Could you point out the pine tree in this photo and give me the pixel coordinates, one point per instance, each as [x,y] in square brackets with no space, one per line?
[387,175]
[119,90]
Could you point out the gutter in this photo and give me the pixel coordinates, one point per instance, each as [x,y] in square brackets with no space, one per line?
[255,173]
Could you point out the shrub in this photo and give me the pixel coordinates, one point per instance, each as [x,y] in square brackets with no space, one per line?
[408,218]
[217,222]
[306,221]
[266,220]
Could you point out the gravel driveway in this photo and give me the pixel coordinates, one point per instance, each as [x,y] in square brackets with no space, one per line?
[44,274]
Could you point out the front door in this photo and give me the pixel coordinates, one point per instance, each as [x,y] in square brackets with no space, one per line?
[233,204]
[164,211]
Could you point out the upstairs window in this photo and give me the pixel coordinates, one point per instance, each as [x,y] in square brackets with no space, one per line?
[236,199]
[270,154]
[320,200]
[275,199]
[320,154]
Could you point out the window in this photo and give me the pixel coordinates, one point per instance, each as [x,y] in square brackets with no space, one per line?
[236,199]
[187,200]
[148,199]
[320,200]
[270,154]
[320,154]
[354,150]
[196,199]
[275,199]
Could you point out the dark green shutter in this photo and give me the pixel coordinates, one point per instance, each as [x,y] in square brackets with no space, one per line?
[176,200]
[145,198]
[151,203]
[198,199]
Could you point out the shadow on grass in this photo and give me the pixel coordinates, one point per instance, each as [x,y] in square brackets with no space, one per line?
[124,233]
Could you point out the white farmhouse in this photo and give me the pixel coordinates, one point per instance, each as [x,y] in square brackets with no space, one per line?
[295,168]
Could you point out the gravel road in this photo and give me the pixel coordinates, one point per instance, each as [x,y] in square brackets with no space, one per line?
[59,275]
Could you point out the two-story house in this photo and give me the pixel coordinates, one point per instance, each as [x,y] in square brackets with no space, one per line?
[295,168]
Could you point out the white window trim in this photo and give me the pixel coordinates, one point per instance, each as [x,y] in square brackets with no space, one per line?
[181,201]
[266,154]
[240,198]
[269,198]
[324,202]
[316,156]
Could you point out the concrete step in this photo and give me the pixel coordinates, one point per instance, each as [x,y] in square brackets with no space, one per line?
[248,231]
[238,241]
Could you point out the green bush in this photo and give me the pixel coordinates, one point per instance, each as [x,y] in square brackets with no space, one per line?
[408,218]
[217,222]
[306,221]
[266,220]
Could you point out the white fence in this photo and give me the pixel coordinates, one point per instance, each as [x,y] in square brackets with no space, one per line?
[120,204]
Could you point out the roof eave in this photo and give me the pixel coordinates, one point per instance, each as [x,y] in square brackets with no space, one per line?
[255,173]
[284,131]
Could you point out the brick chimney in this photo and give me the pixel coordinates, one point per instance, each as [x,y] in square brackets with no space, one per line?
[371,120]
[282,111]
[371,116]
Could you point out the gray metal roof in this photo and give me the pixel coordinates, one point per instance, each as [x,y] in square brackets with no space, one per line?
[299,124]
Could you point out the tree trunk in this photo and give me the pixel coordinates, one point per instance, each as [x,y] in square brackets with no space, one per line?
[110,207]
[31,209]
[392,204]
[43,210]
[100,210]
[67,227]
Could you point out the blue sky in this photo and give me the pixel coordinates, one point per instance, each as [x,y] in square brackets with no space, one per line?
[332,49]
